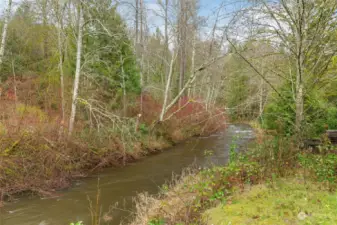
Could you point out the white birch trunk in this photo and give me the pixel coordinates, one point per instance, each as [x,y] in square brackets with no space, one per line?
[193,62]
[4,32]
[78,70]
[166,39]
[167,88]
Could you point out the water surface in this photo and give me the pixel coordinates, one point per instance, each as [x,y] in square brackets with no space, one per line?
[120,185]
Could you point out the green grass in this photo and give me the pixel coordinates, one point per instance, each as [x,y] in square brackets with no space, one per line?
[284,202]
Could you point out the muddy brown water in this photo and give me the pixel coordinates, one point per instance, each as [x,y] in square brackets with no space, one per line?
[122,184]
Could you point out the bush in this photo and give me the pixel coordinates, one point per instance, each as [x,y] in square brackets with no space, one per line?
[31,112]
[279,114]
[3,129]
[320,114]
[323,166]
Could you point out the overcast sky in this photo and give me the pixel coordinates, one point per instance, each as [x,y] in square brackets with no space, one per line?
[206,5]
[207,9]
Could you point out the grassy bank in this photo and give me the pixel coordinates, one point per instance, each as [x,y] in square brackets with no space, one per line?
[274,182]
[285,201]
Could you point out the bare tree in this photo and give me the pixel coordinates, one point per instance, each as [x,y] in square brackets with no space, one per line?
[137,22]
[166,35]
[312,30]
[44,9]
[59,12]
[167,88]
[210,85]
[194,40]
[182,41]
[78,68]
[192,78]
[307,32]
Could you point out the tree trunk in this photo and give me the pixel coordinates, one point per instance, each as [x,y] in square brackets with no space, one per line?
[167,88]
[166,45]
[217,92]
[124,87]
[142,56]
[182,35]
[14,81]
[213,31]
[261,98]
[299,101]
[60,51]
[194,39]
[209,84]
[141,5]
[4,32]
[209,91]
[299,107]
[78,70]
[262,91]
[137,22]
[45,31]
[192,61]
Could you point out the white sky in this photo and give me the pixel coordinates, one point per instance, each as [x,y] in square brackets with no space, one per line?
[3,5]
[207,9]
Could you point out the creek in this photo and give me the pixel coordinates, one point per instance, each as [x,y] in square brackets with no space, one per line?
[118,186]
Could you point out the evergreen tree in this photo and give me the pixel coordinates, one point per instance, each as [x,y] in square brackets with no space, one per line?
[111,55]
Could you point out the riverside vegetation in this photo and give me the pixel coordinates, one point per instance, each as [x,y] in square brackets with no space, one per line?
[272,182]
[55,127]
[91,84]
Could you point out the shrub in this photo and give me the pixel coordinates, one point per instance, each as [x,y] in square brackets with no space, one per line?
[3,129]
[279,113]
[32,112]
[323,166]
[320,114]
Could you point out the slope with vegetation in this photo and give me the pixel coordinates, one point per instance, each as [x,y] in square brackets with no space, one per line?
[83,88]
[78,94]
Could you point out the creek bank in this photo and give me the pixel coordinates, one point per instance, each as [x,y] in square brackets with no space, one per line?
[34,163]
[272,167]
[283,201]
[36,155]
[122,184]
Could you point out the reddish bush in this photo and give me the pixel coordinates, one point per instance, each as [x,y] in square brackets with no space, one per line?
[188,115]
[150,110]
